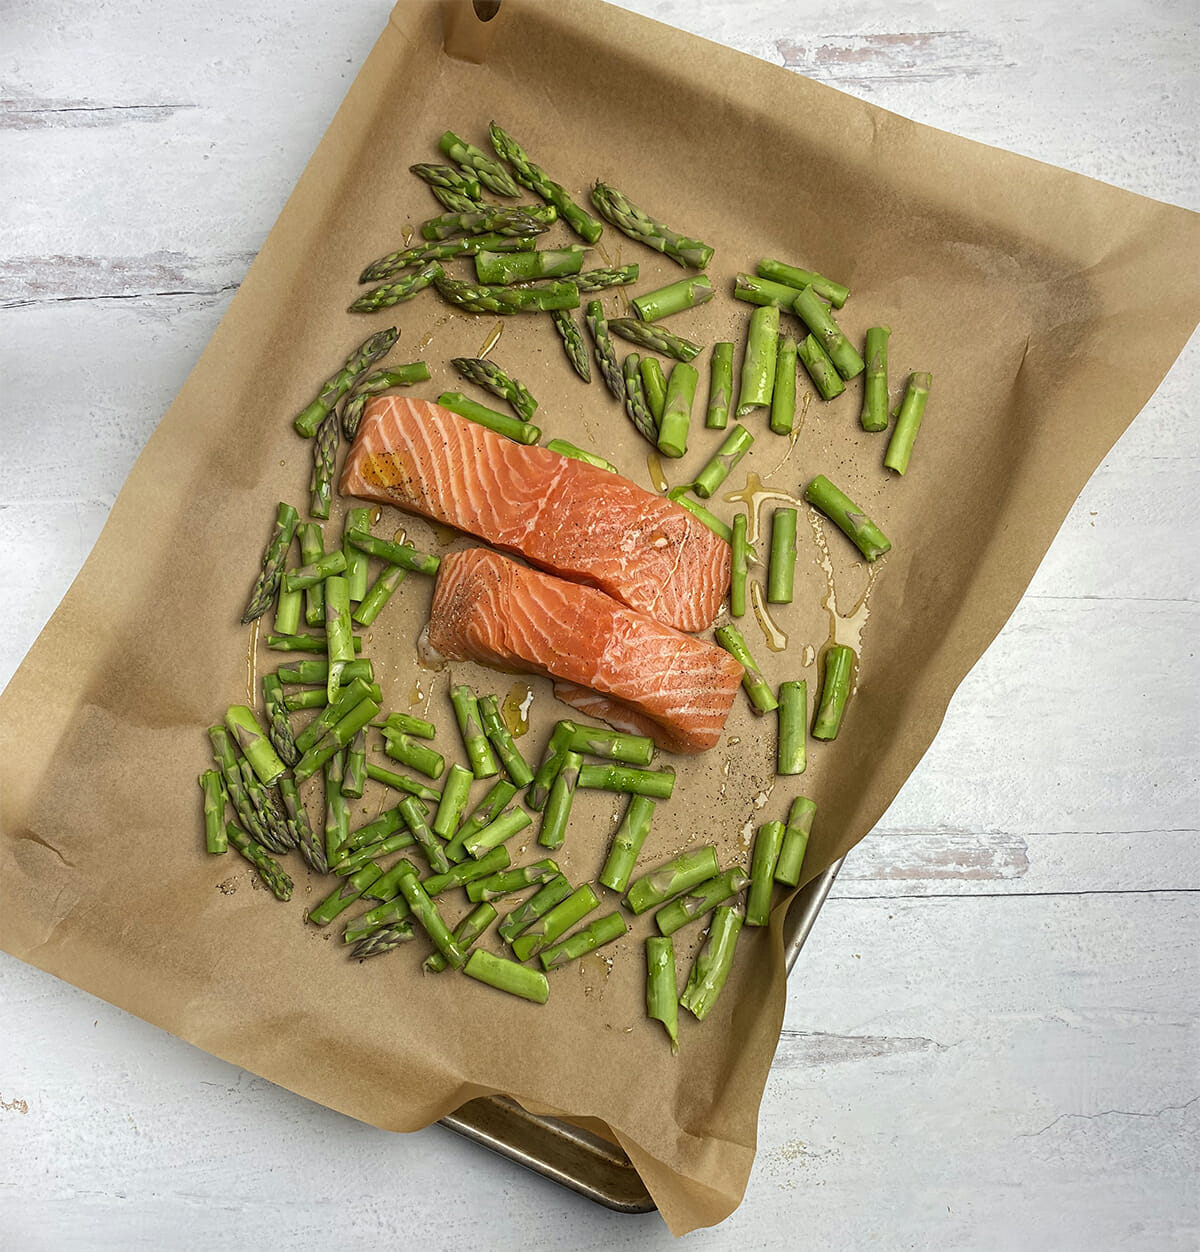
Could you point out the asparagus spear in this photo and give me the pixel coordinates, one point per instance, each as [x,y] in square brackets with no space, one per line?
[425,911]
[848,517]
[713,963]
[394,262]
[912,409]
[699,900]
[662,990]
[676,876]
[875,386]
[637,224]
[595,935]
[448,178]
[302,643]
[339,632]
[215,839]
[400,783]
[479,752]
[318,672]
[767,844]
[539,935]
[413,812]
[390,913]
[394,553]
[739,566]
[356,561]
[456,792]
[654,339]
[270,871]
[654,387]
[399,292]
[385,825]
[835,691]
[253,741]
[504,268]
[686,293]
[311,848]
[795,841]
[465,934]
[606,354]
[345,894]
[279,727]
[485,812]
[320,484]
[407,751]
[781,563]
[813,313]
[384,940]
[502,741]
[490,172]
[730,638]
[337,814]
[498,832]
[379,593]
[406,724]
[373,385]
[735,446]
[758,365]
[554,891]
[312,549]
[492,378]
[475,298]
[613,745]
[608,276]
[318,698]
[657,783]
[677,410]
[783,395]
[573,345]
[820,368]
[792,276]
[267,584]
[508,881]
[678,495]
[720,386]
[468,872]
[552,760]
[558,806]
[273,833]
[492,219]
[505,975]
[627,843]
[534,177]
[762,291]
[793,723]
[226,762]
[358,362]
[636,408]
[308,576]
[351,862]
[563,448]
[288,606]
[348,698]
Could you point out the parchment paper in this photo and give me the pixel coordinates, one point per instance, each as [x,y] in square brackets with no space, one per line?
[1048,308]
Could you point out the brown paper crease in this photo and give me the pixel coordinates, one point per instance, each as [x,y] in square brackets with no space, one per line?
[1048,307]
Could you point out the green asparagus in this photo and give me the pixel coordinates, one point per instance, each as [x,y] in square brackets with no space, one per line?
[267,584]
[637,224]
[492,378]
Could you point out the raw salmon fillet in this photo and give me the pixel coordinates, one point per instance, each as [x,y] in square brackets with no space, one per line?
[666,684]
[583,523]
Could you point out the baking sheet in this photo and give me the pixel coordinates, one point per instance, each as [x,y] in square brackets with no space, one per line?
[1048,307]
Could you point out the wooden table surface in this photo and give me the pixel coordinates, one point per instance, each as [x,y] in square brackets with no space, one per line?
[991,1038]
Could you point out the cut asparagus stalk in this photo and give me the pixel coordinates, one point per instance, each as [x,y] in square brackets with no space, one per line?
[308,576]
[627,843]
[700,900]
[488,809]
[653,339]
[465,934]
[793,726]
[337,815]
[758,365]
[595,935]
[735,446]
[767,844]
[781,563]
[503,268]
[344,895]
[739,566]
[491,377]
[678,495]
[713,963]
[556,749]
[399,291]
[400,782]
[677,410]
[563,448]
[613,745]
[554,891]
[312,549]
[795,841]
[414,755]
[761,697]
[558,806]
[511,427]
[835,691]
[392,264]
[636,408]
[215,839]
[662,990]
[763,292]
[468,872]
[848,517]
[456,792]
[425,912]
[508,824]
[502,742]
[394,553]
[618,209]
[783,395]
[505,975]
[254,743]
[685,871]
[687,293]
[508,881]
[357,363]
[656,783]
[536,179]
[405,724]
[820,368]
[269,870]
[539,935]
[413,812]
[720,386]
[813,313]
[793,276]
[654,387]
[479,752]
[490,172]
[912,409]
[875,385]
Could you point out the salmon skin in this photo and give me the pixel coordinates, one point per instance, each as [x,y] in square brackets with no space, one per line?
[642,674]
[577,521]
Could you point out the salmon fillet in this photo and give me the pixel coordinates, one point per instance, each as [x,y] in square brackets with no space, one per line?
[583,523]
[666,684]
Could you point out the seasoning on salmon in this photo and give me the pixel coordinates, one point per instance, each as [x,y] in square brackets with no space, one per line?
[666,684]
[563,515]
